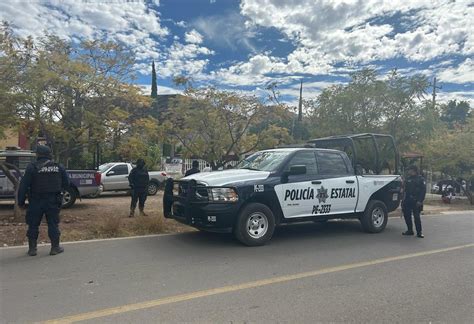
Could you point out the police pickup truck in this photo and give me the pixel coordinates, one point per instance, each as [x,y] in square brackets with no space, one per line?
[82,182]
[285,185]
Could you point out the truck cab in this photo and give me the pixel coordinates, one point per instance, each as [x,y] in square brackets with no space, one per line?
[283,185]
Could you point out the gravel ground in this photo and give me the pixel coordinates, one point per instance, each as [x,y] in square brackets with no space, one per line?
[106,216]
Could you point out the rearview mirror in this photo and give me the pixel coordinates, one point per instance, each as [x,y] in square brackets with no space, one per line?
[297,170]
[110,173]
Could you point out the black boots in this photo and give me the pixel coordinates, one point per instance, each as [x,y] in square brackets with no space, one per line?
[31,247]
[420,235]
[55,248]
[408,233]
[142,212]
[132,212]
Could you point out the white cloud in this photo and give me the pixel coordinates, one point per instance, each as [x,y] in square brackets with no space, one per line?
[463,73]
[330,32]
[134,23]
[468,96]
[193,37]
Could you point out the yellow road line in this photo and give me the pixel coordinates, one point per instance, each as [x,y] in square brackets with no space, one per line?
[253,284]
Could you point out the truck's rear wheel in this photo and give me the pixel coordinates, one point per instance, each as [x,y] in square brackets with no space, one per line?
[255,225]
[375,217]
[69,197]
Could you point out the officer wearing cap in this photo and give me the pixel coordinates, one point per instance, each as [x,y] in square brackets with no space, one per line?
[43,183]
[415,191]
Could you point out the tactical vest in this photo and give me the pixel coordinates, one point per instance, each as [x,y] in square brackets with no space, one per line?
[46,178]
[141,179]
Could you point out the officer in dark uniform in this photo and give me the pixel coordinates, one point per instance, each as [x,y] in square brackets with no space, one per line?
[415,191]
[43,183]
[138,181]
[194,169]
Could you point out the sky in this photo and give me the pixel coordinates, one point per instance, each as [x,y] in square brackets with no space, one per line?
[243,45]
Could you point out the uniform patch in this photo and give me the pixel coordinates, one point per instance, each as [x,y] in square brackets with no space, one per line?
[49,169]
[258,188]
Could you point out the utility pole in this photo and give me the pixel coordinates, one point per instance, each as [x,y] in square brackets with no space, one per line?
[434,92]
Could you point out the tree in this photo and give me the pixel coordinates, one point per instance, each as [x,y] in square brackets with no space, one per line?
[154,85]
[451,151]
[216,125]
[76,96]
[455,112]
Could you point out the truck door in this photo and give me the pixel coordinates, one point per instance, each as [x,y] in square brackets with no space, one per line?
[116,178]
[338,182]
[297,196]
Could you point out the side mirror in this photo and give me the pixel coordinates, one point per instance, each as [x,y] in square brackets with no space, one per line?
[110,173]
[297,170]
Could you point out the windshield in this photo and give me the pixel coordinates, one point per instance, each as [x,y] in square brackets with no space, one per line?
[264,161]
[105,167]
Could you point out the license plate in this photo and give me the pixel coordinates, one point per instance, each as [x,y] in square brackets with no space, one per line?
[395,197]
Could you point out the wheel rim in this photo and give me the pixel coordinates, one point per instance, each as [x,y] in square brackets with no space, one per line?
[257,225]
[66,197]
[378,217]
[152,188]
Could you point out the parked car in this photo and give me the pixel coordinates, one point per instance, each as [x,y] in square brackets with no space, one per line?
[82,182]
[114,176]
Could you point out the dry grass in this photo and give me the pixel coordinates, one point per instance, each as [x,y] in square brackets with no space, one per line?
[108,226]
[147,225]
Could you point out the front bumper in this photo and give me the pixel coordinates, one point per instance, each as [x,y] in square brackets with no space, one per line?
[217,217]
[195,210]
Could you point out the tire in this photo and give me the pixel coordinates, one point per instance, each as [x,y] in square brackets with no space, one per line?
[69,197]
[152,188]
[263,221]
[375,217]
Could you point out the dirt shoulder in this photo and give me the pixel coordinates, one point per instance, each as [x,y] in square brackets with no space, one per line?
[103,217]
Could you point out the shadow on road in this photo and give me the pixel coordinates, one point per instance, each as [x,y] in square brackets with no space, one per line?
[293,234]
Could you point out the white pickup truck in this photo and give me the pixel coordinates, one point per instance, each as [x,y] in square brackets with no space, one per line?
[115,178]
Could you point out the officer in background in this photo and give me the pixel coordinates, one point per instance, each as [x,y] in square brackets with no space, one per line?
[138,181]
[43,183]
[415,191]
[194,169]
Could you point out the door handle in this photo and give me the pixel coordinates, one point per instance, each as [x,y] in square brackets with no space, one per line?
[316,182]
[350,181]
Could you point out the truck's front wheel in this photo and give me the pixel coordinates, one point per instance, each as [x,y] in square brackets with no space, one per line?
[255,225]
[375,217]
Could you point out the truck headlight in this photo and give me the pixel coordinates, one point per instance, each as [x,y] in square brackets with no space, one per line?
[222,194]
[176,189]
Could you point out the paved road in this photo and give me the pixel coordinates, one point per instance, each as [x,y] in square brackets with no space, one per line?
[307,273]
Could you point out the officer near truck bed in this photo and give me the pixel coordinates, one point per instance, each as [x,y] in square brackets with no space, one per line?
[43,183]
[415,191]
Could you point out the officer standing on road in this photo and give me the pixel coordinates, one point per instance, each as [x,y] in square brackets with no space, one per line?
[138,181]
[415,191]
[43,183]
[194,169]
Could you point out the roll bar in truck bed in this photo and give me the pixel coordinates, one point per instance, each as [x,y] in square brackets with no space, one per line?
[353,145]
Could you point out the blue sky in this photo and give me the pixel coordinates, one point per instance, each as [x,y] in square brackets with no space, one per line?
[245,44]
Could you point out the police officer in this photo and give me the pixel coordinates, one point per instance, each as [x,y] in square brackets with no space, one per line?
[415,191]
[194,169]
[43,183]
[138,181]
